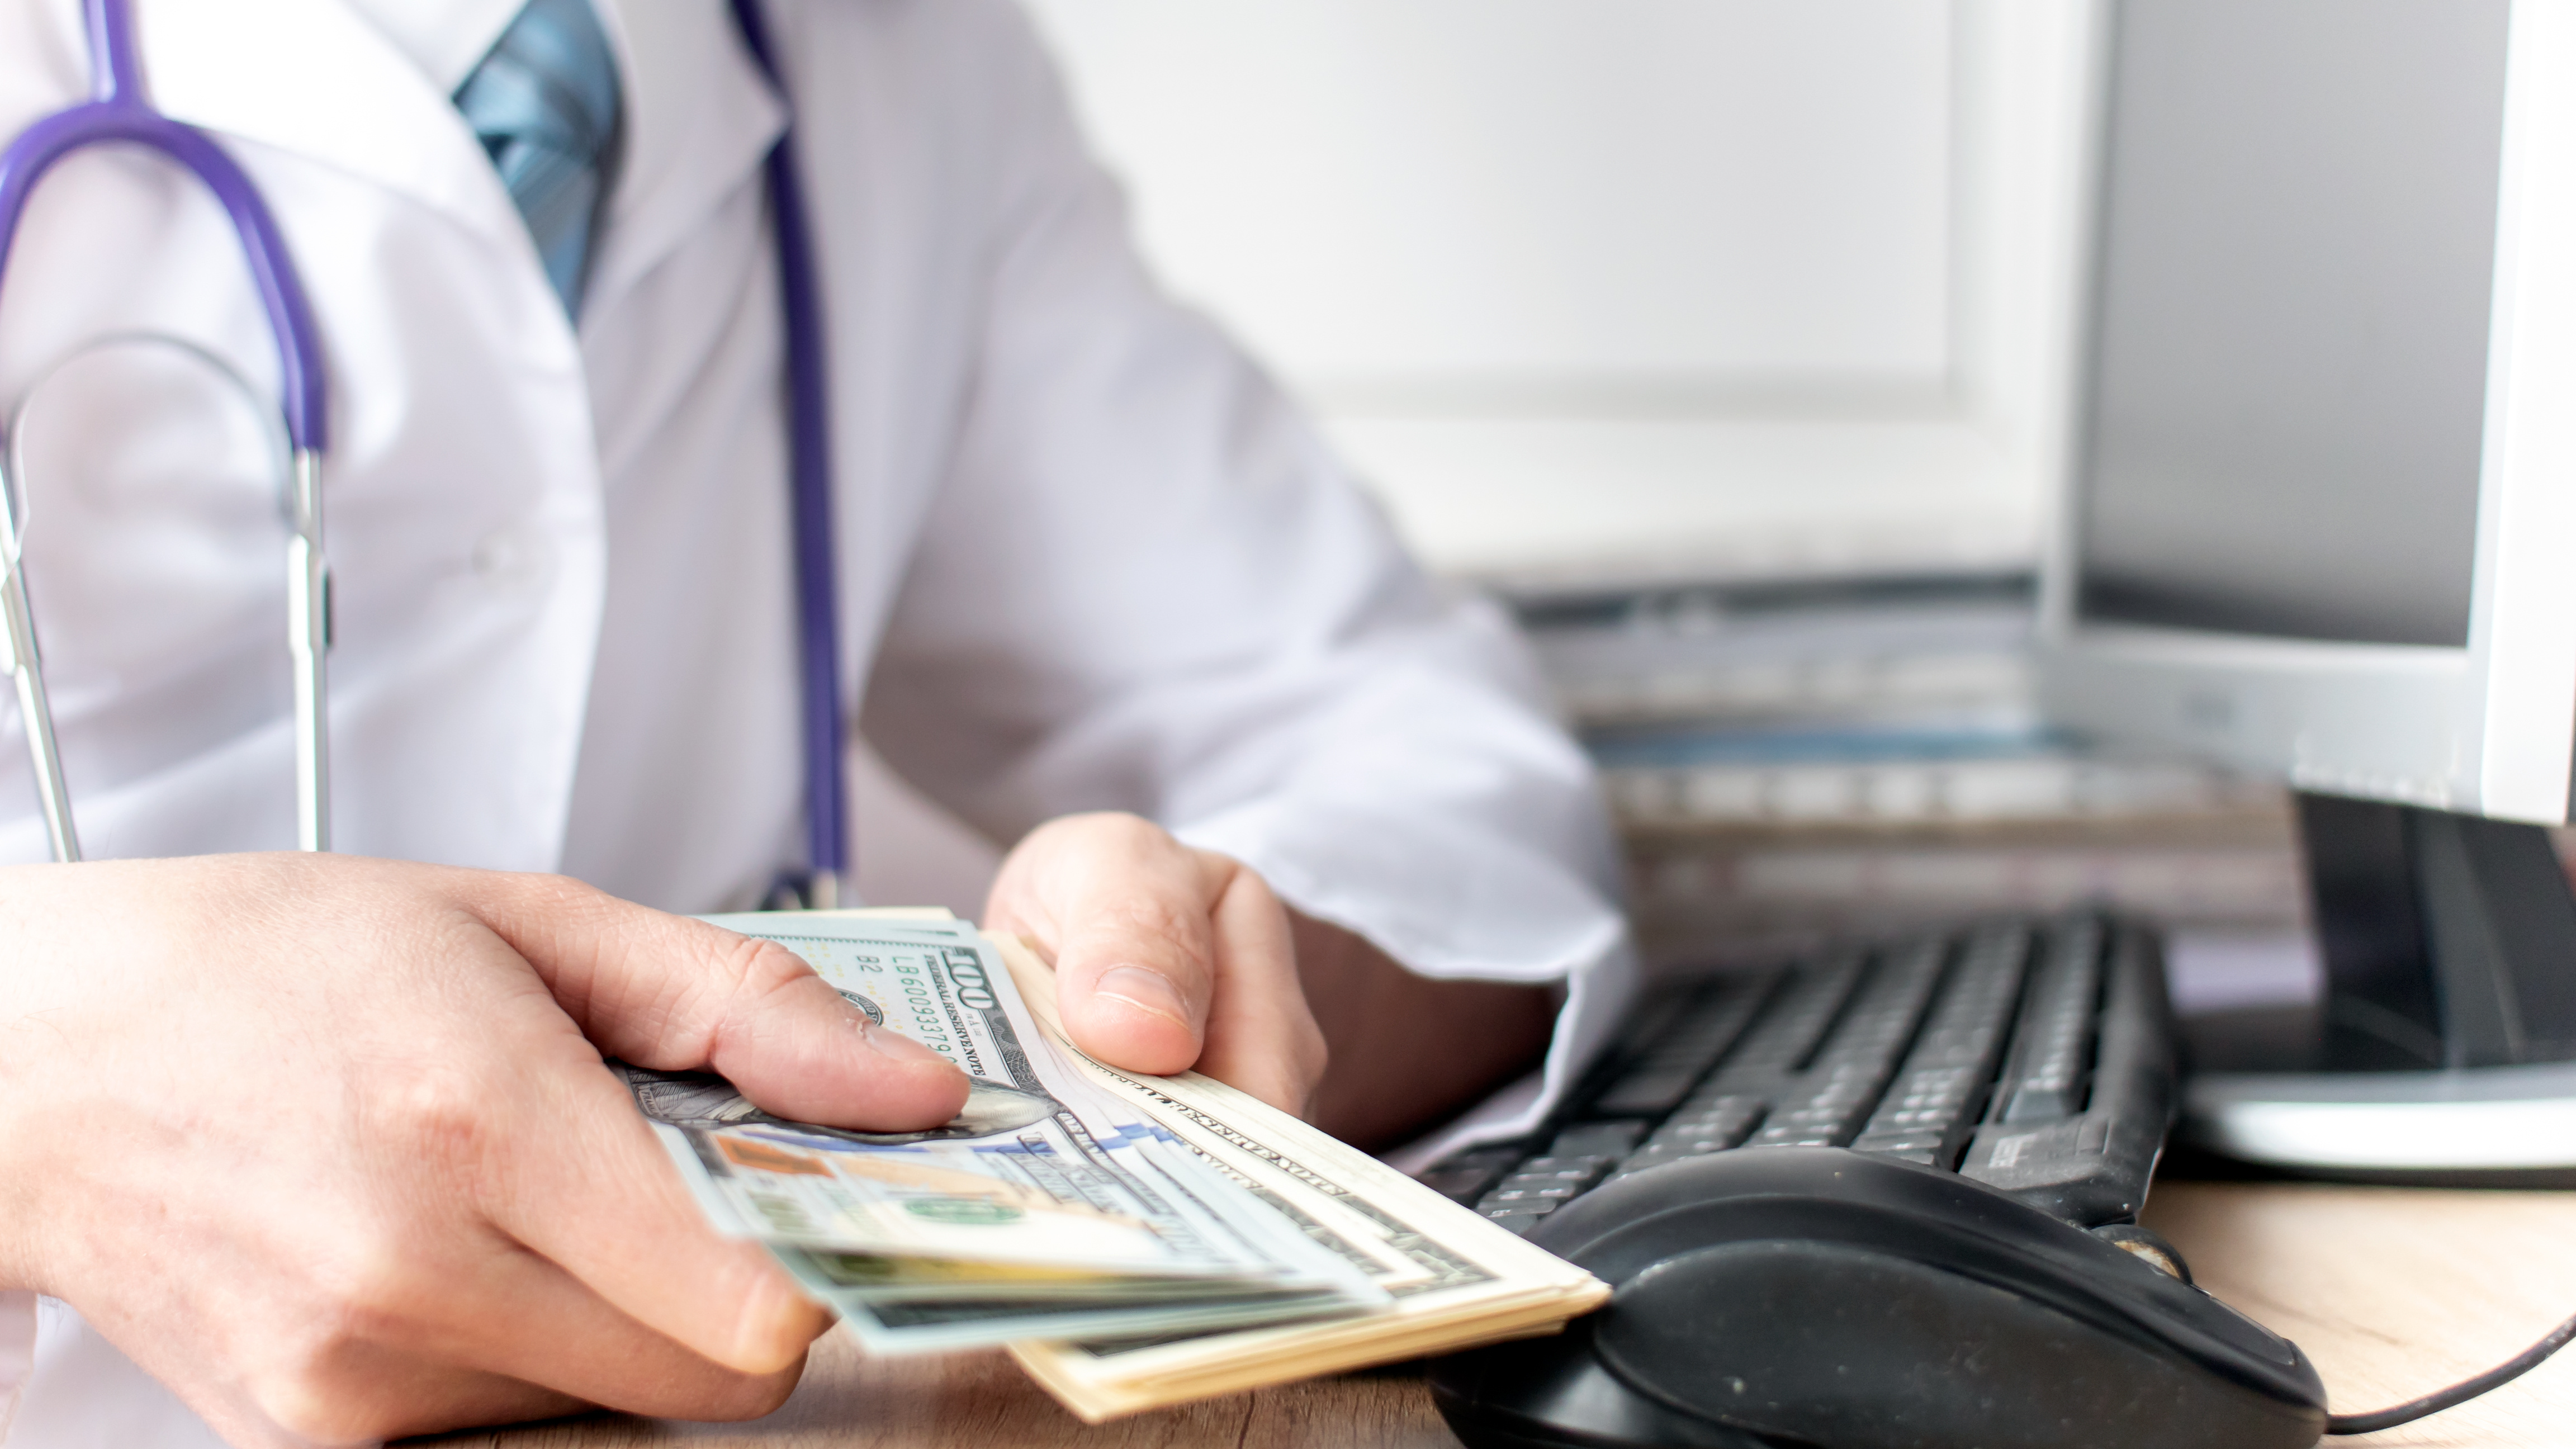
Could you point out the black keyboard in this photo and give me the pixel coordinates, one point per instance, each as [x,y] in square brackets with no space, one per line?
[2034,1057]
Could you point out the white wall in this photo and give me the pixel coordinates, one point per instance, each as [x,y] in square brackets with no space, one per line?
[1626,289]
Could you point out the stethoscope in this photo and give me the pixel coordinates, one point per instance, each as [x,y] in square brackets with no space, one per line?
[118,112]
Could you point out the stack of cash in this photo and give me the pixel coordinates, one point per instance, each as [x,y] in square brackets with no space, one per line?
[1137,1241]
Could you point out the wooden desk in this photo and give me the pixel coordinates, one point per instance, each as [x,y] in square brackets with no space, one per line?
[2393,1292]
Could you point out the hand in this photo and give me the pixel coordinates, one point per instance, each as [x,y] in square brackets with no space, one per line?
[1166,957]
[327,1145]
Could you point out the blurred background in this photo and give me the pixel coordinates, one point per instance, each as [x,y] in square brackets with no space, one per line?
[1727,341]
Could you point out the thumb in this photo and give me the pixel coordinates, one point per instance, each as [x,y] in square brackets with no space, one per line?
[674,994]
[1123,910]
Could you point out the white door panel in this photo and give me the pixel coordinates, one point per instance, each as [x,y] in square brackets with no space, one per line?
[1779,283]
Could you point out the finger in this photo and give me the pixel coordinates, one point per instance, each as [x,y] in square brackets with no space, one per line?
[524,1318]
[446,1399]
[580,1178]
[1261,1036]
[675,994]
[1125,910]
[386,1396]
[439,1399]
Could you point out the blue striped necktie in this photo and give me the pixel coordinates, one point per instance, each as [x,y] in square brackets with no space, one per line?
[545,104]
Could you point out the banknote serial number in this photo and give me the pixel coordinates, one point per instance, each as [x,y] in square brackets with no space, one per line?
[911,985]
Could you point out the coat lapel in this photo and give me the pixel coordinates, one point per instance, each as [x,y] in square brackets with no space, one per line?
[699,119]
[316,79]
[446,39]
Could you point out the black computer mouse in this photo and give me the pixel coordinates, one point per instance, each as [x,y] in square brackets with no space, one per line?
[1816,1296]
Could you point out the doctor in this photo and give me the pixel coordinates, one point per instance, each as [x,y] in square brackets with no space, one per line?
[318,1149]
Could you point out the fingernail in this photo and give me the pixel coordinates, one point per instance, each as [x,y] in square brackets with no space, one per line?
[895,1046]
[1145,990]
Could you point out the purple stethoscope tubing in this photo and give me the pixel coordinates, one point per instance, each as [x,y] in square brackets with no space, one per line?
[810,469]
[118,112]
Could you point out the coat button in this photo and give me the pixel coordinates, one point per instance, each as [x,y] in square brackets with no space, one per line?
[511,559]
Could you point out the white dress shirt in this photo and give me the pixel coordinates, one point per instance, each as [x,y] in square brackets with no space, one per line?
[1090,557]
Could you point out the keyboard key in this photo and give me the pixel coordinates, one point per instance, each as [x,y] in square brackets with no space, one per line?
[1543,1182]
[1597,1139]
[1646,1093]
[1827,1105]
[1532,1192]
[1692,1141]
[1724,1120]
[1466,1177]
[1786,1032]
[1666,1074]
[1807,1127]
[1898,1142]
[1518,1221]
[1944,1076]
[2053,1042]
[2040,1102]
[1569,1169]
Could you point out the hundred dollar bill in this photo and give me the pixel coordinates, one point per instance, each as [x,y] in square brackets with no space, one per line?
[1041,1173]
[872,1278]
[1452,1278]
[1001,1312]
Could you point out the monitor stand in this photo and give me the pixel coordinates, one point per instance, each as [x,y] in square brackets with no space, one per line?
[2445,1046]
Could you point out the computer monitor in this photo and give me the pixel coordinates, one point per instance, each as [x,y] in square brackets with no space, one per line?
[2321,522]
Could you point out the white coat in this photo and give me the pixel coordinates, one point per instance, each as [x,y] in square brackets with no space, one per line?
[1089,558]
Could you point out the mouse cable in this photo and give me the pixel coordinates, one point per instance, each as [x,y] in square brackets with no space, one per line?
[2459,1393]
